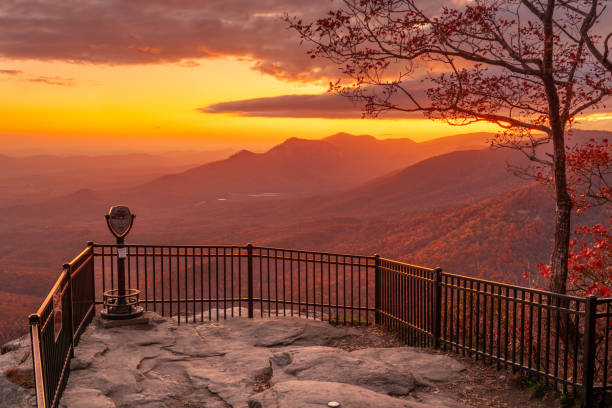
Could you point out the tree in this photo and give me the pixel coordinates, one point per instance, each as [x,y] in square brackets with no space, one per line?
[590,262]
[590,174]
[527,66]
[590,258]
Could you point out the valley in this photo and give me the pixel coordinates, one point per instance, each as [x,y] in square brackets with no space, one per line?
[451,203]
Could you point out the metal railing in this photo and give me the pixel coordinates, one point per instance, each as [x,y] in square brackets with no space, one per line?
[212,282]
[56,327]
[561,340]
[538,332]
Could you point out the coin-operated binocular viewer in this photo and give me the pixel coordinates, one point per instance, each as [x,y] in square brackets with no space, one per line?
[121,303]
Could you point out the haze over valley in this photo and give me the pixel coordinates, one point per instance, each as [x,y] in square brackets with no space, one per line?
[449,202]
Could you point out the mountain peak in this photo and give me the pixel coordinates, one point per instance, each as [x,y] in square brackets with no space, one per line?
[242,153]
[295,144]
[348,137]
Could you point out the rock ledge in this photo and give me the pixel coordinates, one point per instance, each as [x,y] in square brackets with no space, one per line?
[259,363]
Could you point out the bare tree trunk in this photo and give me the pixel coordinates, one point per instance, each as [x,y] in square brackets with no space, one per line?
[563,208]
[559,256]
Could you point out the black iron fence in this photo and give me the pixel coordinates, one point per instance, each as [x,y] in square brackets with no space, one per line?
[196,283]
[56,327]
[537,332]
[561,340]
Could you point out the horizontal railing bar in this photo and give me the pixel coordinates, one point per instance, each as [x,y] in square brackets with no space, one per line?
[423,278]
[406,264]
[317,261]
[509,286]
[97,245]
[411,325]
[255,299]
[183,300]
[172,255]
[324,305]
[49,297]
[517,300]
[221,255]
[312,252]
[80,267]
[83,253]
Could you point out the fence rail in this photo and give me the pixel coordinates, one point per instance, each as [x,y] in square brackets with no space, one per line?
[56,327]
[562,340]
[205,282]
[535,331]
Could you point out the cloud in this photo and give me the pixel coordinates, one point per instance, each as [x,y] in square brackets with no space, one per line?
[329,106]
[161,31]
[53,80]
[120,32]
[289,106]
[48,80]
[325,105]
[335,106]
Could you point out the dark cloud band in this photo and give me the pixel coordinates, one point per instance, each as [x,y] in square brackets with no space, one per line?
[160,31]
[327,106]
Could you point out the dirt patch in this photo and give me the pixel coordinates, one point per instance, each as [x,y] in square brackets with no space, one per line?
[22,378]
[369,337]
[483,386]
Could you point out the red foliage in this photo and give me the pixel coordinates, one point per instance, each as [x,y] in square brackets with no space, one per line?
[482,61]
[590,173]
[589,176]
[523,65]
[590,260]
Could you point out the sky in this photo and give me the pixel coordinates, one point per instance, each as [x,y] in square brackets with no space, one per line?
[149,75]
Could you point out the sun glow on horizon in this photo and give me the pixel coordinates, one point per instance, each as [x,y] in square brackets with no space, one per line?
[61,106]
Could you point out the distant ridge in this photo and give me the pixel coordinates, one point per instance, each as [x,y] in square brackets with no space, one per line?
[442,181]
[82,201]
[300,166]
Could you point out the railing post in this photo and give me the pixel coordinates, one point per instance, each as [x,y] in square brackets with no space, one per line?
[436,308]
[376,289]
[37,362]
[71,298]
[250,278]
[90,245]
[588,363]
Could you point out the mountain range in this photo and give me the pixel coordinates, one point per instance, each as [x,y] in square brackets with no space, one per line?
[298,167]
[450,202]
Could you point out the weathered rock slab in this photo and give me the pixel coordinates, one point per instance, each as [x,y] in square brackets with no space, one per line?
[335,365]
[316,394]
[276,331]
[16,361]
[427,368]
[86,397]
[228,363]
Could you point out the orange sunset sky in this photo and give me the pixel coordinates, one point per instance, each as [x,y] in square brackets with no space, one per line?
[171,75]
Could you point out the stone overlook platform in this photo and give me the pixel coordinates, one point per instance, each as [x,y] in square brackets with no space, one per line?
[257,363]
